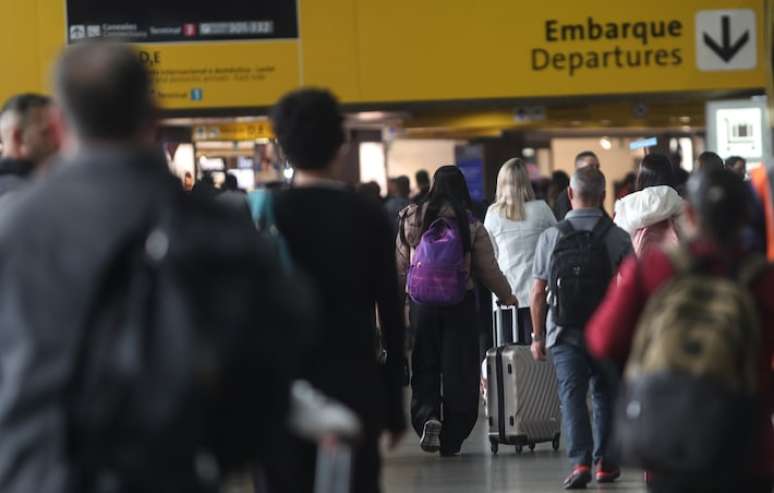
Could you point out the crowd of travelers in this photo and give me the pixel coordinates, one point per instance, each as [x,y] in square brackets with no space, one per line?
[160,335]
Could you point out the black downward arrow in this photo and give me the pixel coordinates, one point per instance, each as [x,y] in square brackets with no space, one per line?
[727,51]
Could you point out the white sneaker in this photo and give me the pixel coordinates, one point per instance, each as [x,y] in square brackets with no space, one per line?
[431,436]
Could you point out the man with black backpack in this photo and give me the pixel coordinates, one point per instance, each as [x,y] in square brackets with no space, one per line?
[574,264]
[140,327]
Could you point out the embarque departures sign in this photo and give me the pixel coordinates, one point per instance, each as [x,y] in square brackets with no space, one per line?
[233,53]
[725,40]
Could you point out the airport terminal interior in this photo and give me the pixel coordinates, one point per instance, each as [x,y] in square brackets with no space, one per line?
[562,102]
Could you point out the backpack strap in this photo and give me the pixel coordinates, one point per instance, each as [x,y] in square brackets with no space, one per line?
[602,228]
[565,227]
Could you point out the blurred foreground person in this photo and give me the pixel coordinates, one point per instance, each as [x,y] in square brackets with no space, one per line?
[342,240]
[28,136]
[139,327]
[442,252]
[696,325]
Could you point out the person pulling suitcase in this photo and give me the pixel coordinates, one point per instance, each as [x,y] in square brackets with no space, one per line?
[574,264]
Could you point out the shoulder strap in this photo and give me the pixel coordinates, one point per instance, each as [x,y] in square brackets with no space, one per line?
[602,228]
[565,227]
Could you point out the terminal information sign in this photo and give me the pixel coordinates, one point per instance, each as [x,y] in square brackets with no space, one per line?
[154,21]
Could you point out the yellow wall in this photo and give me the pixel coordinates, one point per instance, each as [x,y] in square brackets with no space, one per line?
[401,50]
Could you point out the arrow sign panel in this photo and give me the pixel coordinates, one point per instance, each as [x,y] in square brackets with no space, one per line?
[726,40]
[727,50]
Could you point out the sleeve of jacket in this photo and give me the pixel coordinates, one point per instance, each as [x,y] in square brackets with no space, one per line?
[484,264]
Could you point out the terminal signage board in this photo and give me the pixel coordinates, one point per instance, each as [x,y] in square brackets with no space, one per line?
[201,53]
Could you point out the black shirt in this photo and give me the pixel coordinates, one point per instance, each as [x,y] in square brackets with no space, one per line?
[344,242]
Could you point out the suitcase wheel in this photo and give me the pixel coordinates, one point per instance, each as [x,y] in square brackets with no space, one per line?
[531,446]
[555,442]
[494,445]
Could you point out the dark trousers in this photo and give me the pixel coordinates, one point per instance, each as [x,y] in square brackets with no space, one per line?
[446,354]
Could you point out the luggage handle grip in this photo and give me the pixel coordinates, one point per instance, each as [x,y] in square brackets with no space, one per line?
[498,322]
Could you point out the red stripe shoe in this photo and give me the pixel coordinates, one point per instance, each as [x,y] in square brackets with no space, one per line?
[607,473]
[578,479]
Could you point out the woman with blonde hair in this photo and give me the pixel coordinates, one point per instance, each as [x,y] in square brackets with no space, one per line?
[515,222]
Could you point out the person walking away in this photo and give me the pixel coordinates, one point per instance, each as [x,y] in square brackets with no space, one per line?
[717,211]
[29,139]
[107,256]
[342,241]
[563,205]
[754,233]
[651,214]
[398,199]
[422,178]
[441,252]
[574,263]
[708,160]
[559,183]
[515,222]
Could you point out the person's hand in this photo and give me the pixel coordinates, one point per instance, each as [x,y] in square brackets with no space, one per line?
[539,350]
[511,300]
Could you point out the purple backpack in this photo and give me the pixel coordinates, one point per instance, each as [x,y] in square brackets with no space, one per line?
[437,274]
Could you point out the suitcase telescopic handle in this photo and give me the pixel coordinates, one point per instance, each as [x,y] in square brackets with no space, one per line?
[498,323]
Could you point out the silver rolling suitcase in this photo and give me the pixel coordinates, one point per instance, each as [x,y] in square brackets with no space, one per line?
[522,399]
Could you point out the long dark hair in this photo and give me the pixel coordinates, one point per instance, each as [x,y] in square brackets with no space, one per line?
[450,189]
[656,170]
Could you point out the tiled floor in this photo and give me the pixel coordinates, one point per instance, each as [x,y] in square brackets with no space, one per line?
[409,470]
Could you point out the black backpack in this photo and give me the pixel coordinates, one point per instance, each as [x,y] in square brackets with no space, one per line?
[157,386]
[580,273]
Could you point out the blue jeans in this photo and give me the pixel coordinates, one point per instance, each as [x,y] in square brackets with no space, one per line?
[574,373]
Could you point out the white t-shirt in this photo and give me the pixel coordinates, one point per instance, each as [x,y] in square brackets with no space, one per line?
[515,243]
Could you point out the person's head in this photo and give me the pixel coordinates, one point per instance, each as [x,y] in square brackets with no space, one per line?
[560,180]
[587,188]
[403,186]
[310,129]
[717,205]
[738,165]
[371,190]
[655,170]
[106,96]
[708,161]
[188,182]
[586,159]
[449,190]
[27,129]
[231,183]
[513,190]
[422,178]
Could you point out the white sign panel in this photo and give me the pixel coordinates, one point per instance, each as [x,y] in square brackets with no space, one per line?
[739,128]
[726,40]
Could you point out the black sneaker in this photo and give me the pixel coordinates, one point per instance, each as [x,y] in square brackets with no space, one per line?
[450,452]
[578,479]
[431,436]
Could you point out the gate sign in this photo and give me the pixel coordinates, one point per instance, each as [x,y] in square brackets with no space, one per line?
[739,128]
[726,40]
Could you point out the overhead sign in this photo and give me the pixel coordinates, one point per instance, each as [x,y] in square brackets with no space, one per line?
[233,132]
[726,40]
[246,54]
[739,128]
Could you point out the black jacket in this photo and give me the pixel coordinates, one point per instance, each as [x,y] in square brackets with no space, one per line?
[53,251]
